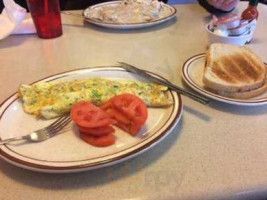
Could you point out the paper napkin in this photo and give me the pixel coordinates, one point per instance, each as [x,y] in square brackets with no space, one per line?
[13,20]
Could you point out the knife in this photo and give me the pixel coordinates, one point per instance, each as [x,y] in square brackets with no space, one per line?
[166,83]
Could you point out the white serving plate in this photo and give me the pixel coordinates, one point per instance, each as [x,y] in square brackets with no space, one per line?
[67,152]
[126,25]
[192,73]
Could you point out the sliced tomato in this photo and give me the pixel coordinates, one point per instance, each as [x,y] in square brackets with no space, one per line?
[115,114]
[129,128]
[124,127]
[134,129]
[128,110]
[106,105]
[87,115]
[98,131]
[102,141]
[132,106]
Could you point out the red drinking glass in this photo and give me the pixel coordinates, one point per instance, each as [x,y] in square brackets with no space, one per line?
[46,17]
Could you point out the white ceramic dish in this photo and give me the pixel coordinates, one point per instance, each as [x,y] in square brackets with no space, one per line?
[192,73]
[67,152]
[233,24]
[238,31]
[237,40]
[172,12]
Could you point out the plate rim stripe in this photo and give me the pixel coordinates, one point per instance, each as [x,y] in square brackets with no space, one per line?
[46,168]
[209,94]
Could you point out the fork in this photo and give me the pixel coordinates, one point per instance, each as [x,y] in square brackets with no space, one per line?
[44,133]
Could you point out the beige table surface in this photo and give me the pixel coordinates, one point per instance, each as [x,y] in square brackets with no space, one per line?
[217,151]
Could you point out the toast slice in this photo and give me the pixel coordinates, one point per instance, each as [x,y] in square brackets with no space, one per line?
[230,68]
[244,95]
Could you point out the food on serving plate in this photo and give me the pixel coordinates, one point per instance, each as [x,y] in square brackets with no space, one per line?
[103,141]
[87,115]
[125,111]
[129,11]
[129,111]
[234,71]
[93,123]
[52,99]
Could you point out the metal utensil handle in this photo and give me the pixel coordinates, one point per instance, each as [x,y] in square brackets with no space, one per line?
[72,14]
[171,86]
[175,88]
[188,94]
[11,140]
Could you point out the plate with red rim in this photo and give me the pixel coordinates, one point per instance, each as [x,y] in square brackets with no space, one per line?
[116,25]
[66,152]
[192,74]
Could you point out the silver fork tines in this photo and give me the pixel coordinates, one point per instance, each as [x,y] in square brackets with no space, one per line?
[44,133]
[58,125]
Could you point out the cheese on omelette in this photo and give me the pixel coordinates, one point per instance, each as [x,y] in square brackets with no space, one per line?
[52,99]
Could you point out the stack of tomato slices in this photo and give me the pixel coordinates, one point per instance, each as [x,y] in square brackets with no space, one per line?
[126,111]
[93,123]
[129,111]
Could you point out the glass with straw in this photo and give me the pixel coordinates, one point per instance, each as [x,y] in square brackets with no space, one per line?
[46,17]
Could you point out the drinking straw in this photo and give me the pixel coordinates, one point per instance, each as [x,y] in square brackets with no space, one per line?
[45,7]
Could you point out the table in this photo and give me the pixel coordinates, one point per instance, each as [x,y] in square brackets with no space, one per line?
[216,151]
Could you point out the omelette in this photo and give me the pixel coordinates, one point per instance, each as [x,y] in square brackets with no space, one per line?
[52,99]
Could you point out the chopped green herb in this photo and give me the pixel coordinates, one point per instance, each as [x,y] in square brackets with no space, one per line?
[95,94]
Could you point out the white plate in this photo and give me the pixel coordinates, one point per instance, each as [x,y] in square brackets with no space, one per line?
[126,25]
[192,73]
[67,152]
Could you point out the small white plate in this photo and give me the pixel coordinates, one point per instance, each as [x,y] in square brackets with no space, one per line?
[171,14]
[67,152]
[192,73]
